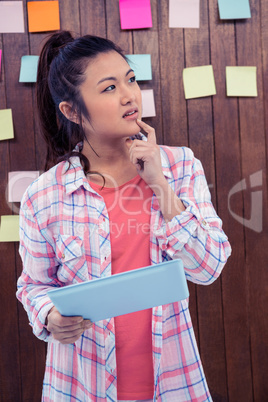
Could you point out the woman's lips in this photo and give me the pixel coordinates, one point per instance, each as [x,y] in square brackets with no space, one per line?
[131,115]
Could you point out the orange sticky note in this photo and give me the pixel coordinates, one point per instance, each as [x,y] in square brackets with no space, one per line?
[43,16]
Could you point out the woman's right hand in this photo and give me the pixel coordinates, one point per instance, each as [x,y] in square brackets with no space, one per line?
[66,329]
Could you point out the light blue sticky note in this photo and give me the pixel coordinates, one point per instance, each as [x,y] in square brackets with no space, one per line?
[234,9]
[141,64]
[28,68]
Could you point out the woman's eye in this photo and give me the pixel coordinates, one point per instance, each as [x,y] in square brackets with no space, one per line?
[110,88]
[132,79]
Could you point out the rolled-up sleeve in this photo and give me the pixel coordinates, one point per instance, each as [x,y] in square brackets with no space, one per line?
[196,235]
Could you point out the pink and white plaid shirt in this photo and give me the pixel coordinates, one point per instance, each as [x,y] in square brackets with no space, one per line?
[64,231]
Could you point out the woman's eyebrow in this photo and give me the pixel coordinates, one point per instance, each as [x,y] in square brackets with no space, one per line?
[113,78]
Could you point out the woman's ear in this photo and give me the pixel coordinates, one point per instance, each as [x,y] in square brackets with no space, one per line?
[66,110]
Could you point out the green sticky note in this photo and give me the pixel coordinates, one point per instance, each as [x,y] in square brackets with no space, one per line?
[198,82]
[28,68]
[141,64]
[241,81]
[9,229]
[6,124]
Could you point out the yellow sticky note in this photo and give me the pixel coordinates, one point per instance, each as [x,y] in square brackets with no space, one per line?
[6,124]
[241,81]
[9,229]
[198,82]
[43,16]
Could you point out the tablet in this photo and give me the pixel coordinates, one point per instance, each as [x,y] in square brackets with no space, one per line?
[123,293]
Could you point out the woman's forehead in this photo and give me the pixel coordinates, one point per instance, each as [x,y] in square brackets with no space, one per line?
[106,65]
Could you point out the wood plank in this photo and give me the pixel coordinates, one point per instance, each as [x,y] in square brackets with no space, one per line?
[32,375]
[15,47]
[69,16]
[172,62]
[174,110]
[145,41]
[22,157]
[264,35]
[123,38]
[69,20]
[228,173]
[9,335]
[92,17]
[200,129]
[253,158]
[32,372]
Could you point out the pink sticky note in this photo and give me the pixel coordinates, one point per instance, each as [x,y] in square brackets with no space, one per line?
[135,14]
[184,13]
[148,106]
[11,16]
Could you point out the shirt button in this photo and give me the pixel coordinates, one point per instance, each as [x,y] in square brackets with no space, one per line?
[63,256]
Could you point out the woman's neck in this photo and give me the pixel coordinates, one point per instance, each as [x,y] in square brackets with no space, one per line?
[110,160]
[105,153]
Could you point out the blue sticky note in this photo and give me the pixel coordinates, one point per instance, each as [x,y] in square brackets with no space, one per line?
[28,68]
[141,64]
[234,9]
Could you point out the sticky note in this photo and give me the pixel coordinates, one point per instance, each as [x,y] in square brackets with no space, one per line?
[184,13]
[43,16]
[28,68]
[135,14]
[198,82]
[141,64]
[9,229]
[234,9]
[18,182]
[11,17]
[241,81]
[148,105]
[6,124]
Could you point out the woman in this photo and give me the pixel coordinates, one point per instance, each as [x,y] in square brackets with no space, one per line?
[112,200]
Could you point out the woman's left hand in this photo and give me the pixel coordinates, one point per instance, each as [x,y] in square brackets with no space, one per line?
[145,155]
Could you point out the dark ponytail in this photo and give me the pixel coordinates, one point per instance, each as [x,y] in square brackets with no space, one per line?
[62,64]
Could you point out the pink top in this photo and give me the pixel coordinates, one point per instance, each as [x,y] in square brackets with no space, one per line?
[129,214]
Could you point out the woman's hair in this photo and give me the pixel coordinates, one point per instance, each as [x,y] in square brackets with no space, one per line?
[61,71]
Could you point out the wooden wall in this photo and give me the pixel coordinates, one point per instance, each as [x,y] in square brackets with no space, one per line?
[227,134]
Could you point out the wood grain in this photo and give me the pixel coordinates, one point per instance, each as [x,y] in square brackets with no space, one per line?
[253,159]
[228,170]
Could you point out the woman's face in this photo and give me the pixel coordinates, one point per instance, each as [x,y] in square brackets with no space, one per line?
[112,98]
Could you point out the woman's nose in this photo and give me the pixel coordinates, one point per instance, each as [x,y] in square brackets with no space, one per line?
[128,96]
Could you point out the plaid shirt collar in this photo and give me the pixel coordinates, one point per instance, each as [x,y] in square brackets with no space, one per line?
[74,176]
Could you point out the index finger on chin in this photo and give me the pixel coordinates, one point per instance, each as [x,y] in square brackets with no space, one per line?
[151,137]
